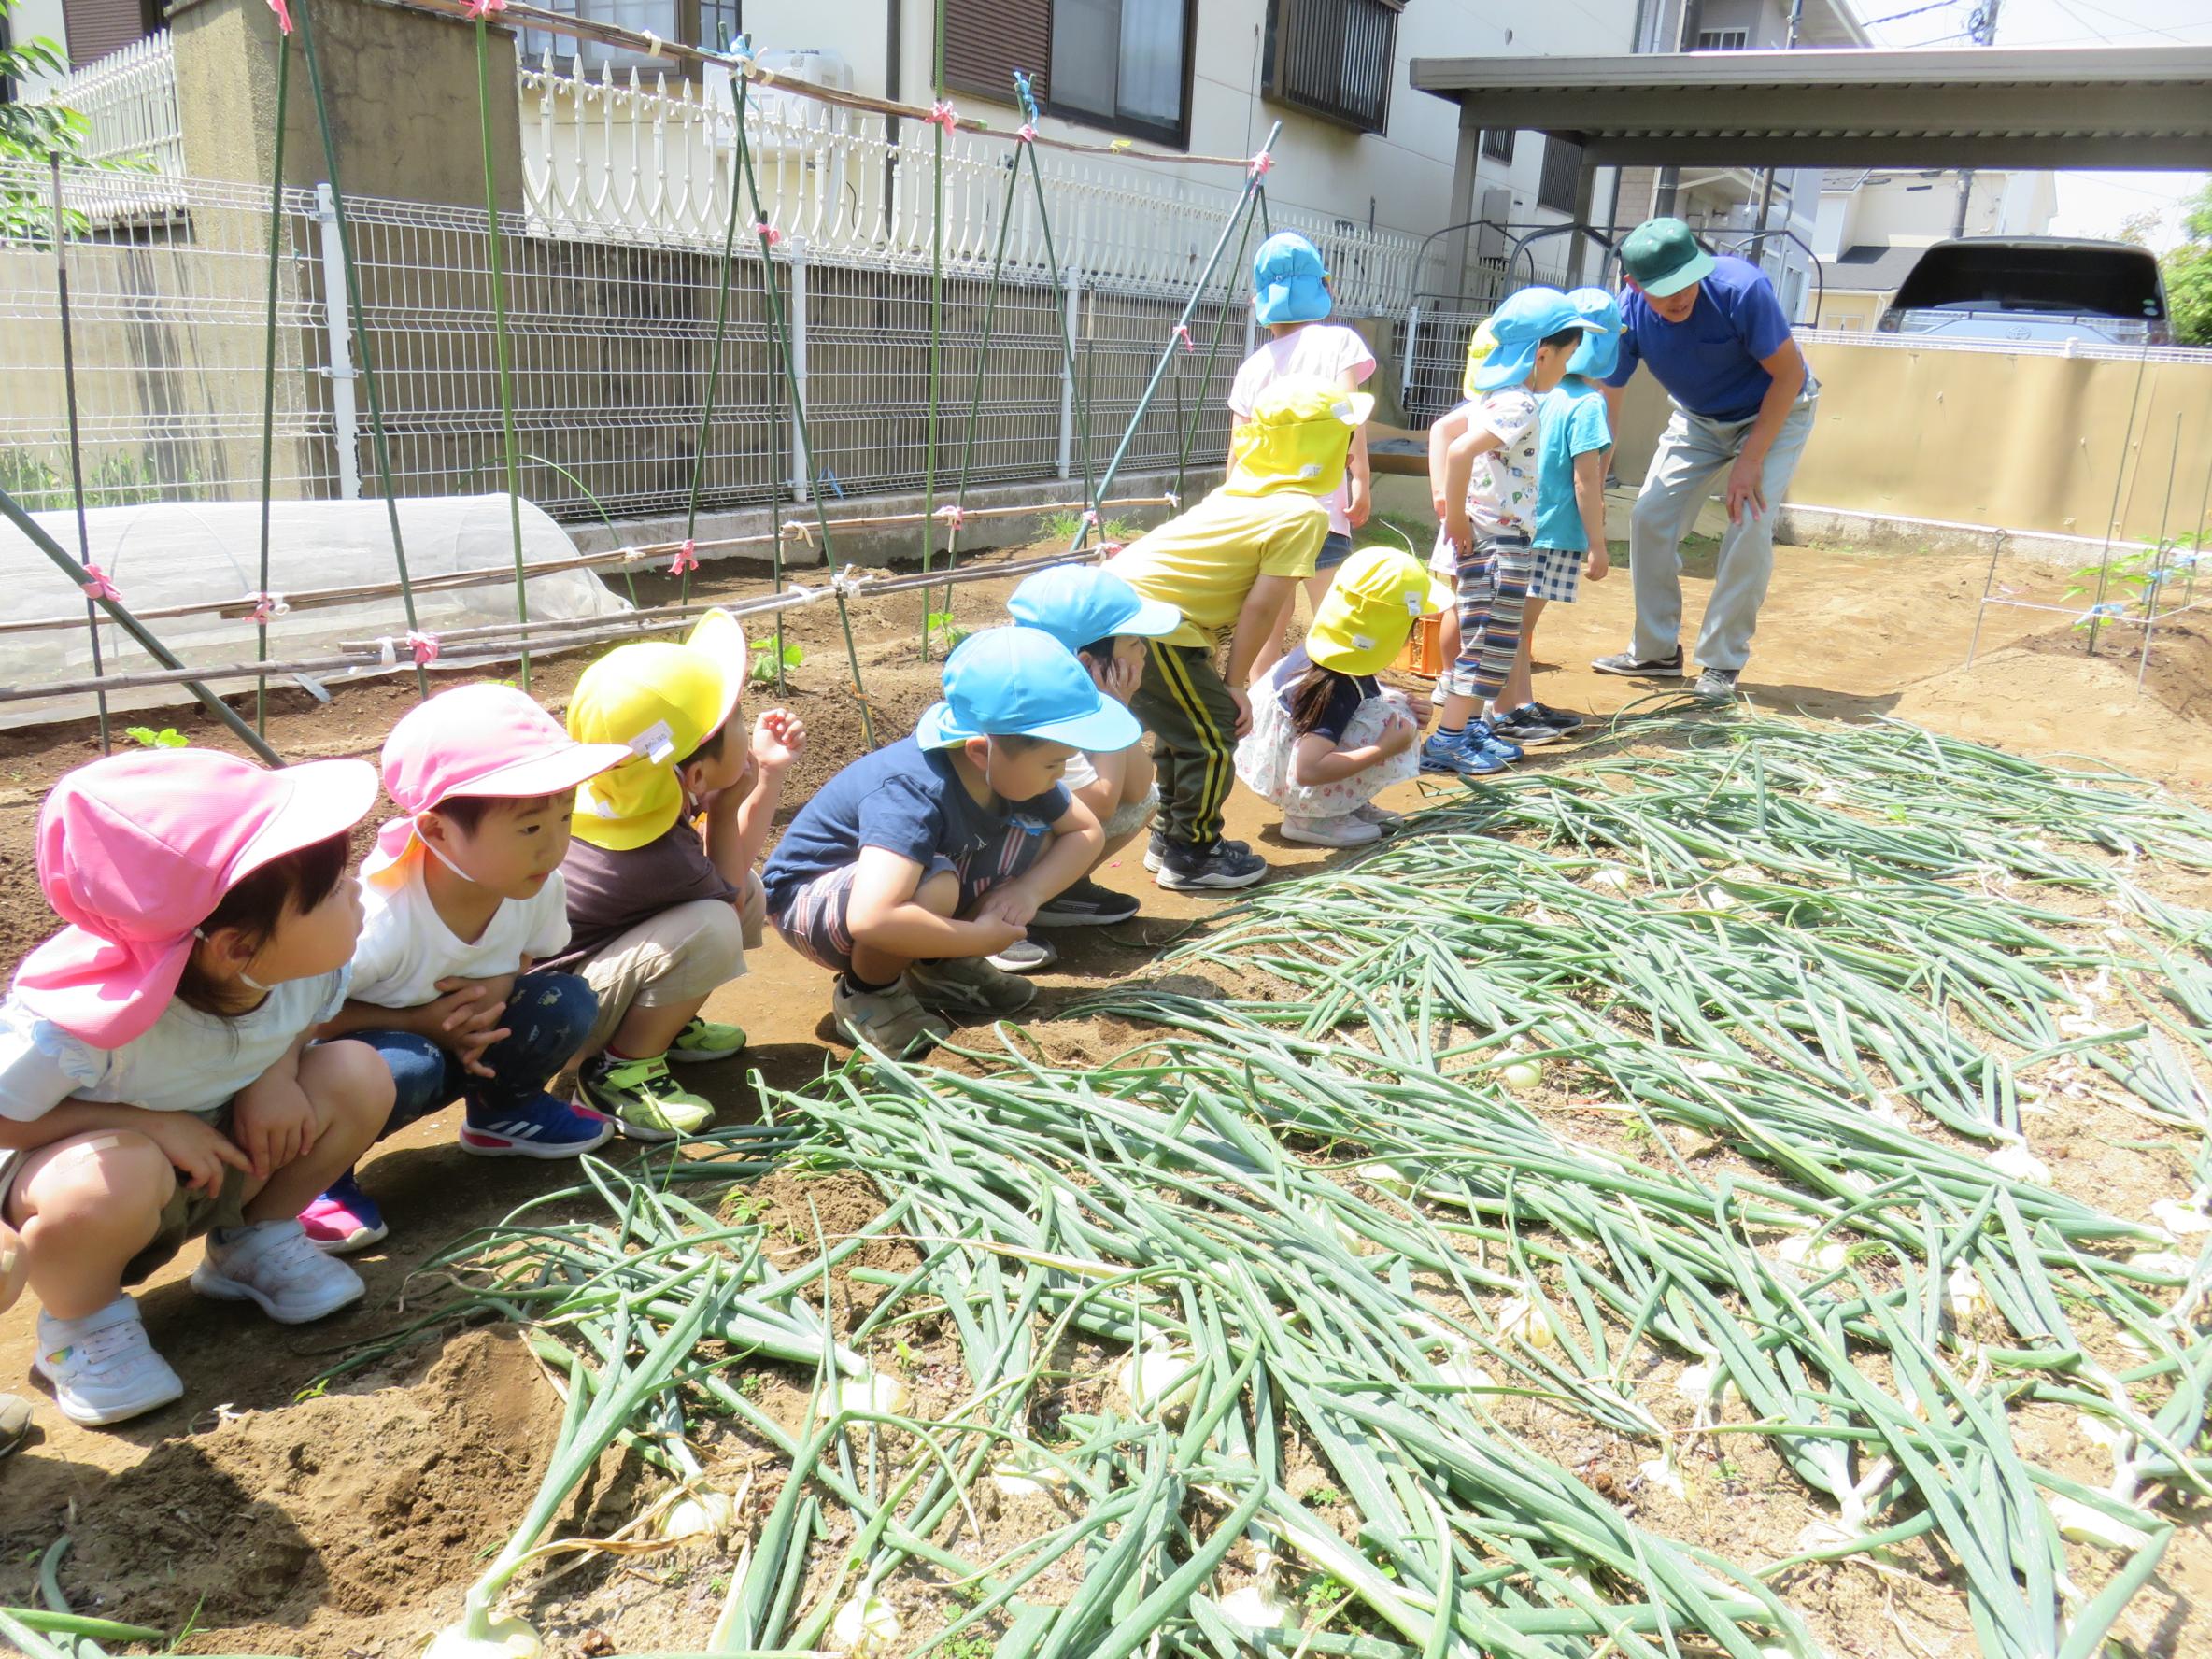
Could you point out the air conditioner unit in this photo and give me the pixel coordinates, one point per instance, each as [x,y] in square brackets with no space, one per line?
[779,112]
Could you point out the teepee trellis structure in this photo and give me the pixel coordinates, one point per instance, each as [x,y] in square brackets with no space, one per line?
[522,636]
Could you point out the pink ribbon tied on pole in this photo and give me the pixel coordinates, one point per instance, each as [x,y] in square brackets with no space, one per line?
[768,233]
[687,559]
[954,515]
[265,605]
[480,9]
[1024,134]
[97,586]
[283,16]
[1261,166]
[1182,334]
[424,646]
[941,115]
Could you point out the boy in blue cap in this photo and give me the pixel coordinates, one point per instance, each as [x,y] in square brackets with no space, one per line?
[916,862]
[1291,300]
[1106,623]
[1490,498]
[1574,438]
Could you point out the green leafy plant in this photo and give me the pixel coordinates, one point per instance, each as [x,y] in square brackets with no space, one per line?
[765,665]
[118,480]
[945,633]
[146,737]
[1064,527]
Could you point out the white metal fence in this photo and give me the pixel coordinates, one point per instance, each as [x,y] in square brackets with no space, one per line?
[612,342]
[129,102]
[621,153]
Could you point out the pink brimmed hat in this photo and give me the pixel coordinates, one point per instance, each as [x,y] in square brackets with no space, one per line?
[136,851]
[477,740]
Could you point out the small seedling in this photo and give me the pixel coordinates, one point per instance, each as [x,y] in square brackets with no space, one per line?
[146,737]
[945,633]
[764,661]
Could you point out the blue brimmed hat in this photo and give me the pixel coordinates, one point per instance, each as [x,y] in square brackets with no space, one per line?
[1080,605]
[1021,682]
[1525,322]
[1601,354]
[1289,283]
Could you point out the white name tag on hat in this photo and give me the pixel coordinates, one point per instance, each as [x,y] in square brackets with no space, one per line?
[656,743]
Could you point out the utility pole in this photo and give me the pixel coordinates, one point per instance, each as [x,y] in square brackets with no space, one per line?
[1685,40]
[1981,28]
[1766,186]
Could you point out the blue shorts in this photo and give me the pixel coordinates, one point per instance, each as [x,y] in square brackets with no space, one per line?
[1335,550]
[816,922]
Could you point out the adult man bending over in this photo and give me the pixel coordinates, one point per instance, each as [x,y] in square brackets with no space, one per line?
[1715,335]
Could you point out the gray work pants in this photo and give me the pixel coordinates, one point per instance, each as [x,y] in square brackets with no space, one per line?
[1694,454]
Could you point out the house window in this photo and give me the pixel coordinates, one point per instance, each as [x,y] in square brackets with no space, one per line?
[1121,64]
[1562,176]
[1333,58]
[692,22]
[1124,64]
[1723,39]
[1497,144]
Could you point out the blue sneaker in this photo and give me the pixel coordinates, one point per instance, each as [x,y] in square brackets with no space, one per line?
[1481,734]
[344,1219]
[1470,753]
[538,1128]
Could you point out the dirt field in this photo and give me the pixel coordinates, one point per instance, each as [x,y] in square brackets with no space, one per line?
[342,1524]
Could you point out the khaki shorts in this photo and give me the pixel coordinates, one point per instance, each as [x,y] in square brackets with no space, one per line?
[189,1212]
[678,954]
[1132,816]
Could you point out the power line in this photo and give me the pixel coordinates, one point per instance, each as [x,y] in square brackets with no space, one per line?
[1915,12]
[2133,26]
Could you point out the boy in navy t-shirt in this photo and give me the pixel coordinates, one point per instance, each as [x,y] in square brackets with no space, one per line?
[916,863]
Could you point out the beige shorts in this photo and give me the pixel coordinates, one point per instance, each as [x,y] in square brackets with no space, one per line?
[677,955]
[189,1212]
[1132,816]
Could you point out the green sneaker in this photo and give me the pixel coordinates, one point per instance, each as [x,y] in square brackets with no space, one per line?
[645,1101]
[705,1040]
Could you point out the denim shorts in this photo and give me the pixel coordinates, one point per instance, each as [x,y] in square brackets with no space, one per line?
[1335,550]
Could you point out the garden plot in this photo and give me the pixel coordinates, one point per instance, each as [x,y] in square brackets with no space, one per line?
[1743,1196]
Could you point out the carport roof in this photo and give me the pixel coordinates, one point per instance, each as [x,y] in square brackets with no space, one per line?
[2111,107]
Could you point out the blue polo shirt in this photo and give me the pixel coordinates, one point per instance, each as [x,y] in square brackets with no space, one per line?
[907,800]
[1572,415]
[1710,361]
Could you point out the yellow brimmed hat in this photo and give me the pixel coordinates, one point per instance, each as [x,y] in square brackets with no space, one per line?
[1297,438]
[1363,619]
[1479,345]
[661,700]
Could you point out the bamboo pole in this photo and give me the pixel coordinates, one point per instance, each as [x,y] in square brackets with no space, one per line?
[84,534]
[261,628]
[502,352]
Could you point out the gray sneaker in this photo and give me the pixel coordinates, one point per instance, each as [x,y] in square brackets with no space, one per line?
[1717,685]
[893,1019]
[15,1422]
[1629,665]
[969,986]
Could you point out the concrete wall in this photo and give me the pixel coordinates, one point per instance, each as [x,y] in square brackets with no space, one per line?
[401,86]
[2029,443]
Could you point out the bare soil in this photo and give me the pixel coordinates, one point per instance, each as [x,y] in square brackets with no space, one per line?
[349,1522]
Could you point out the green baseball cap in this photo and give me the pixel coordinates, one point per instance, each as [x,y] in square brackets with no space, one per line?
[1664,258]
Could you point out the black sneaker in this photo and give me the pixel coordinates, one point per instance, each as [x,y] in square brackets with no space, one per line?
[1155,850]
[1557,719]
[1524,728]
[1086,904]
[1630,666]
[1717,685]
[1215,868]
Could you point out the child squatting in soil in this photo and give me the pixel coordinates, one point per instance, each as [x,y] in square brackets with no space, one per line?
[1109,625]
[1488,501]
[462,893]
[662,899]
[157,1079]
[1230,564]
[916,863]
[1326,736]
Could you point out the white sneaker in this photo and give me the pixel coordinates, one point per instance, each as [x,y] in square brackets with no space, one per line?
[1025,956]
[1348,830]
[275,1265]
[1389,822]
[102,1367]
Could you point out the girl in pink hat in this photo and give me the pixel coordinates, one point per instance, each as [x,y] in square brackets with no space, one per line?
[157,1076]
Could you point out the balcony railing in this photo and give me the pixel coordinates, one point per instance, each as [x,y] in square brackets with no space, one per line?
[1334,58]
[129,102]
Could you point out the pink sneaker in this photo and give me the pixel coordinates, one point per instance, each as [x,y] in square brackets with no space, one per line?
[344,1219]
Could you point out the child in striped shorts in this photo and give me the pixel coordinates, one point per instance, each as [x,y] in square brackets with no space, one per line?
[1490,495]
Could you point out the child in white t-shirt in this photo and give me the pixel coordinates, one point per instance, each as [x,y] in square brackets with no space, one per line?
[1291,299]
[463,894]
[158,1076]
